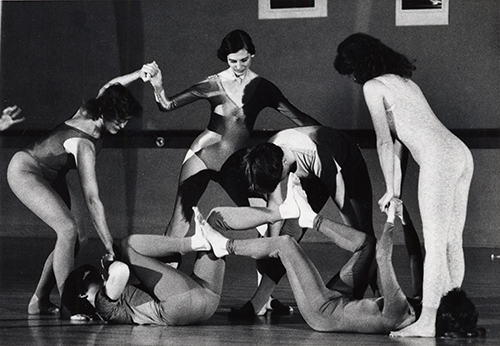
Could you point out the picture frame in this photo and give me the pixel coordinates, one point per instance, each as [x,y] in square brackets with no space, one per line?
[280,9]
[422,12]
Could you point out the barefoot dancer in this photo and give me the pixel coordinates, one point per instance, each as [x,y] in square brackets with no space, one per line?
[161,295]
[402,118]
[37,176]
[326,309]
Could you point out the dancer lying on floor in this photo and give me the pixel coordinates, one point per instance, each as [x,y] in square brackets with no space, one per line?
[162,295]
[328,310]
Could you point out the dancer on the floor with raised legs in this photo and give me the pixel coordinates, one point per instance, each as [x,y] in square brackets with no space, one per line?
[330,165]
[402,116]
[143,290]
[328,310]
[37,176]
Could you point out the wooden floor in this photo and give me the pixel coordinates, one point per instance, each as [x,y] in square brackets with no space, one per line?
[21,260]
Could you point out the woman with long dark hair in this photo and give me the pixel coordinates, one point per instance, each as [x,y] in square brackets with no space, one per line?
[404,120]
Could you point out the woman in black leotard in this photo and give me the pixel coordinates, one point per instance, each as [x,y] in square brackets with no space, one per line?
[236,96]
[37,176]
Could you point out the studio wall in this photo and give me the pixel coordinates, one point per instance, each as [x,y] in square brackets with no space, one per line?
[54,54]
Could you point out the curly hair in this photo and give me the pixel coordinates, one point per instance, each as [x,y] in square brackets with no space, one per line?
[366,57]
[264,167]
[233,42]
[115,103]
[76,285]
[457,316]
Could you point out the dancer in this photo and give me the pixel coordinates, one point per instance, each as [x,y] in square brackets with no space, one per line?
[236,96]
[328,310]
[143,290]
[37,176]
[325,309]
[10,116]
[330,165]
[352,279]
[402,116]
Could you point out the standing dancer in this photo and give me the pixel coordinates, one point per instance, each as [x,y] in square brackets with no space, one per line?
[402,116]
[37,176]
[236,95]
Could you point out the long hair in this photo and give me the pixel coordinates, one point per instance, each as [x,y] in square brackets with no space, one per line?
[457,316]
[366,57]
[115,103]
[233,42]
[75,286]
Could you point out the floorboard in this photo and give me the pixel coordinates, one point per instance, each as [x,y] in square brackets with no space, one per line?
[21,261]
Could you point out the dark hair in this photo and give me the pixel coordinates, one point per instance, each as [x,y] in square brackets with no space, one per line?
[76,285]
[115,103]
[457,316]
[264,167]
[366,57]
[235,41]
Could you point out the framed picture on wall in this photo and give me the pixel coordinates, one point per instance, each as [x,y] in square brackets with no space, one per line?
[276,9]
[421,12]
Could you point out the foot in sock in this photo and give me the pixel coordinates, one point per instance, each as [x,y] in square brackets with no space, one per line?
[198,241]
[216,240]
[289,209]
[307,215]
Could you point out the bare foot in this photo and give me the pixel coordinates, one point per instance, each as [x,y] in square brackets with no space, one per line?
[216,240]
[198,241]
[423,328]
[37,307]
[307,215]
[289,209]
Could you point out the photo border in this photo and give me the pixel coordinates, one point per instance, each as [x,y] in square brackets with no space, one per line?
[422,16]
[318,11]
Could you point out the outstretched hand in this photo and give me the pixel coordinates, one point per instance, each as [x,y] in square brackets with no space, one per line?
[10,116]
[151,73]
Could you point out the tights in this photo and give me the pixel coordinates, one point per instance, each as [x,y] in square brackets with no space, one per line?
[327,309]
[352,279]
[166,296]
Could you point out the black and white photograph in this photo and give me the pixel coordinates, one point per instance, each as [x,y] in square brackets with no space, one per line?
[263,172]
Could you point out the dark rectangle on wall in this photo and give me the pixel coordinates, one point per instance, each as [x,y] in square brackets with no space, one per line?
[278,4]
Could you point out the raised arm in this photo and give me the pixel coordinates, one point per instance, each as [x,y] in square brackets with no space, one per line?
[10,116]
[374,97]
[124,80]
[153,74]
[85,157]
